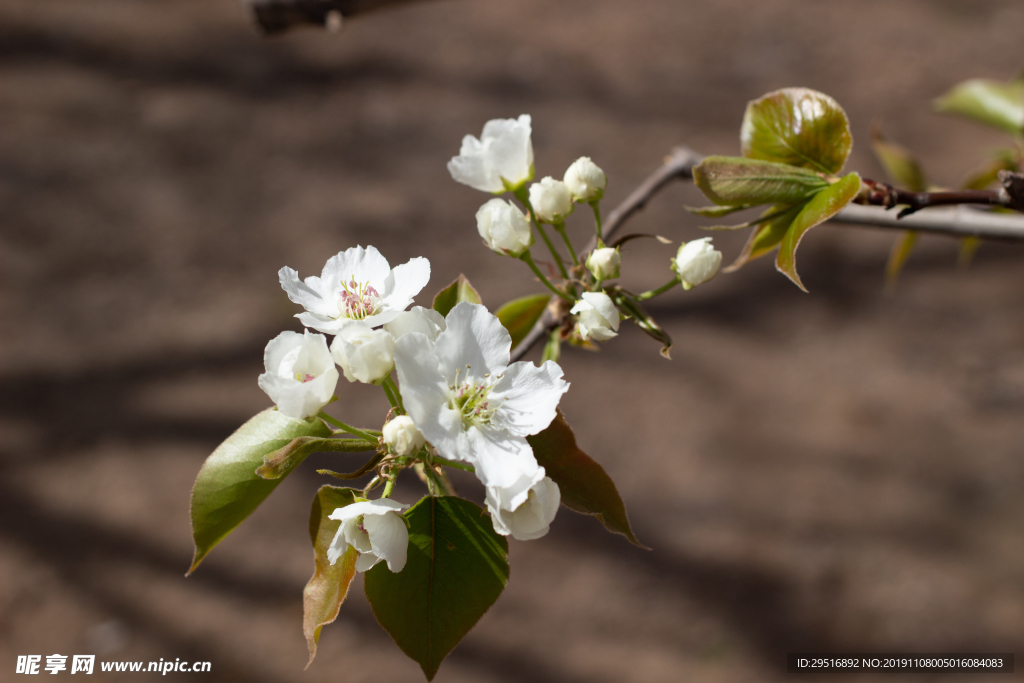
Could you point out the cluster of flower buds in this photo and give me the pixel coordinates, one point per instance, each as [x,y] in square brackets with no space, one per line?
[461,399]
[502,161]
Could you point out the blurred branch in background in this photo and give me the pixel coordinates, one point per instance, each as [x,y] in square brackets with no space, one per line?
[277,16]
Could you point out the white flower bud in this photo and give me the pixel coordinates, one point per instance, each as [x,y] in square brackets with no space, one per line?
[551,200]
[402,436]
[300,376]
[417,319]
[598,317]
[532,517]
[585,180]
[696,262]
[504,227]
[365,355]
[604,263]
[502,159]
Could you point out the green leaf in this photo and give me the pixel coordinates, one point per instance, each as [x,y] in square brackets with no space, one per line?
[996,104]
[584,484]
[900,165]
[457,568]
[520,315]
[968,245]
[819,209]
[1002,160]
[797,126]
[553,347]
[327,589]
[284,460]
[716,211]
[767,236]
[227,488]
[458,290]
[734,180]
[901,249]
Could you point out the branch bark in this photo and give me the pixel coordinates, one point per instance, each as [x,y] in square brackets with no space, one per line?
[958,222]
[277,16]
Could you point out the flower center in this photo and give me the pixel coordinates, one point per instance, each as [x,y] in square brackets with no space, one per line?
[304,377]
[358,300]
[471,399]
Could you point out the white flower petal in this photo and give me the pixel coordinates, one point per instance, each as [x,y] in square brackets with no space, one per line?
[305,294]
[417,319]
[502,460]
[532,517]
[367,507]
[405,282]
[424,391]
[359,264]
[389,537]
[366,561]
[528,397]
[474,337]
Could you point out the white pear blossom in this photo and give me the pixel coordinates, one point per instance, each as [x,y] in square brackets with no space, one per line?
[585,180]
[356,285]
[376,529]
[696,262]
[417,319]
[531,518]
[300,376]
[504,227]
[502,159]
[471,405]
[604,263]
[551,200]
[598,317]
[402,436]
[365,355]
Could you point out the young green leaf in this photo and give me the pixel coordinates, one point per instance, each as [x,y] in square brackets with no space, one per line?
[767,235]
[457,568]
[286,459]
[968,245]
[553,347]
[227,488]
[732,181]
[996,104]
[900,165]
[819,209]
[327,589]
[519,315]
[716,211]
[901,249]
[1002,160]
[584,484]
[458,290]
[797,126]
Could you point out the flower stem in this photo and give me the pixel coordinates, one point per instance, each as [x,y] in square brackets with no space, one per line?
[451,463]
[523,196]
[394,396]
[560,227]
[388,487]
[528,260]
[348,428]
[597,216]
[650,294]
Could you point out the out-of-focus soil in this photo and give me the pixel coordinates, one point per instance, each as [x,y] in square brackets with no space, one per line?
[838,471]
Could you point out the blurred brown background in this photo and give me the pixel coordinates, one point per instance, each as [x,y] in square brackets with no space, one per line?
[842,470]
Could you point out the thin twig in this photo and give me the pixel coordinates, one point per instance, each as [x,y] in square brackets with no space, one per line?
[277,16]
[678,164]
[883,194]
